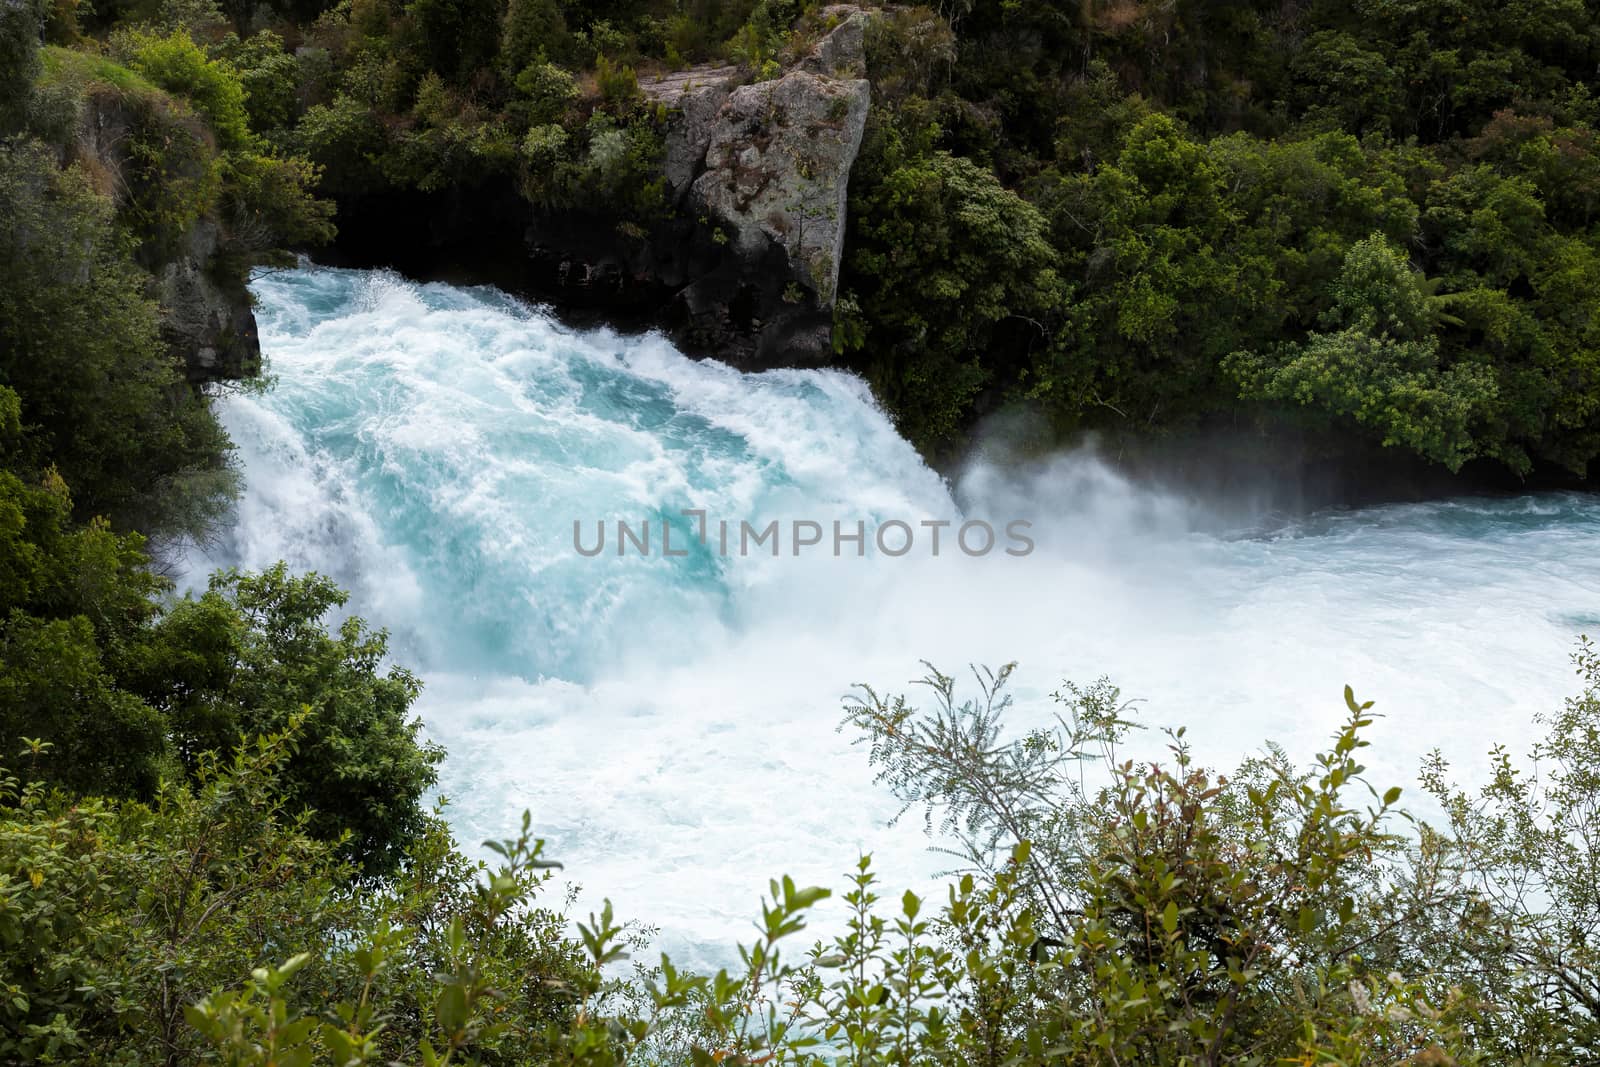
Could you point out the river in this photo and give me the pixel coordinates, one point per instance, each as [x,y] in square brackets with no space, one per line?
[671,719]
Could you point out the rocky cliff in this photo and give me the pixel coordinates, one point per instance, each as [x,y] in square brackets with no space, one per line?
[206,318]
[757,173]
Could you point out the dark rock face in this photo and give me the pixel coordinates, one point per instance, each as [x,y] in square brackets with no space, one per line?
[206,318]
[712,299]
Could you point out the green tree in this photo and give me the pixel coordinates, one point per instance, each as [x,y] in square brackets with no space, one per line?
[250,655]
[1380,366]
[20,24]
[534,32]
[458,38]
[945,263]
[269,77]
[101,397]
[544,92]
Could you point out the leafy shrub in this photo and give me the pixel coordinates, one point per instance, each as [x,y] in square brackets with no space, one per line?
[178,65]
[1382,366]
[269,76]
[1115,911]
[544,92]
[618,85]
[623,168]
[116,918]
[270,203]
[114,915]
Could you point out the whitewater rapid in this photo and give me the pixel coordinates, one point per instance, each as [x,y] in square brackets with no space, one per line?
[671,722]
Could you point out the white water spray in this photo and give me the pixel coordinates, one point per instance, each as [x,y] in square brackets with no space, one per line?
[671,722]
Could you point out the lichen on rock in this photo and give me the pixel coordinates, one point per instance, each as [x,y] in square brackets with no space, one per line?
[764,169]
[778,167]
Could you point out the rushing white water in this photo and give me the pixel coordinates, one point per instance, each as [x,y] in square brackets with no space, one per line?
[671,721]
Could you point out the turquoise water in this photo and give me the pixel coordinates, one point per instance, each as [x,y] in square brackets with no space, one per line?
[671,721]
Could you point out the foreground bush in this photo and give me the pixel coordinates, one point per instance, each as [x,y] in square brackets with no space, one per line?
[129,686]
[1115,911]
[115,918]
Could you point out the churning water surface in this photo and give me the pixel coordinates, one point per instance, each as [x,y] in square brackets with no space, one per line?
[671,722]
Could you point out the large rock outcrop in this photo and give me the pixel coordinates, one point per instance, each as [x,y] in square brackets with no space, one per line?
[777,169]
[748,270]
[206,316]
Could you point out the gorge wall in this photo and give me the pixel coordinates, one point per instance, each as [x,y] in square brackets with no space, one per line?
[206,319]
[744,267]
[767,165]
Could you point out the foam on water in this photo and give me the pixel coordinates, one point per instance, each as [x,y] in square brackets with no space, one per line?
[671,722]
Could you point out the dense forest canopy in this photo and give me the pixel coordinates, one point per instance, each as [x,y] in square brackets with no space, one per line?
[1143,219]
[1132,217]
[1368,222]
